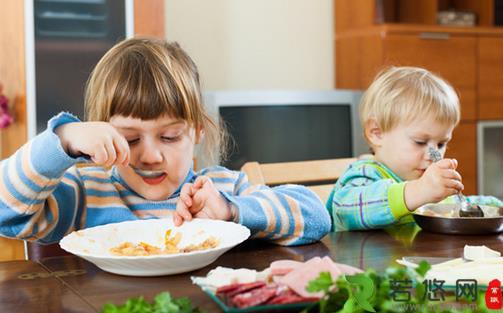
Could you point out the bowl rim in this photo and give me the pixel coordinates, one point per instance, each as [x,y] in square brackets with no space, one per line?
[416,213]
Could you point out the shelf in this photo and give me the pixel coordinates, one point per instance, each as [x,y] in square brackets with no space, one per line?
[426,11]
[396,28]
[410,14]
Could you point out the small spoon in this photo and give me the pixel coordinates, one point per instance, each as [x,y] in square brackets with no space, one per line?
[466,209]
[146,172]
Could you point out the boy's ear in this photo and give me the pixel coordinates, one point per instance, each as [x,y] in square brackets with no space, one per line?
[373,132]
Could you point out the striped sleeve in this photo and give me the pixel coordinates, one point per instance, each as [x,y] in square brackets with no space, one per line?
[37,199]
[363,199]
[285,215]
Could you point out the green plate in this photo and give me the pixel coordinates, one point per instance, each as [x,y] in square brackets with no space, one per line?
[291,307]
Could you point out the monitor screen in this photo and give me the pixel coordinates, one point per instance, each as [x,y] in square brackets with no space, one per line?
[283,133]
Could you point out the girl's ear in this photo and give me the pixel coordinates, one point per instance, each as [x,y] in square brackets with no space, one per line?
[373,132]
[199,136]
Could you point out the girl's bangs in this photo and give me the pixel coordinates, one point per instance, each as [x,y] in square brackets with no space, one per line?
[146,96]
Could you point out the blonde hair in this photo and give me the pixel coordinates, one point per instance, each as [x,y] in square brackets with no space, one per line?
[401,94]
[148,78]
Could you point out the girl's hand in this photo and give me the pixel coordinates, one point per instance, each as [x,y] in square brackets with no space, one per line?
[99,140]
[201,199]
[439,181]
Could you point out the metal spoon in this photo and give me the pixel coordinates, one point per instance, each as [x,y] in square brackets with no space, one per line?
[466,209]
[146,173]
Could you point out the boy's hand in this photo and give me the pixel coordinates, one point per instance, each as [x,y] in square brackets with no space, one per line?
[99,140]
[439,181]
[201,199]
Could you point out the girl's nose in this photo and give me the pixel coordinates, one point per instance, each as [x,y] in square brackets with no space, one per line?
[151,154]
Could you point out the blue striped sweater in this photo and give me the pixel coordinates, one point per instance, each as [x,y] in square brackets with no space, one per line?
[44,195]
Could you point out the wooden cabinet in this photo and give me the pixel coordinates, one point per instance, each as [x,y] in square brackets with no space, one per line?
[439,53]
[148,20]
[402,32]
[490,78]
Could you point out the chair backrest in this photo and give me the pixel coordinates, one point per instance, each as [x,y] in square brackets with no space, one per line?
[318,175]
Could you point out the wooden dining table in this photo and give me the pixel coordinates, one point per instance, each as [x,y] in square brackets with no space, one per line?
[71,284]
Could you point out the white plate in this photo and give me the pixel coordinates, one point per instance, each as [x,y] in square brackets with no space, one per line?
[93,244]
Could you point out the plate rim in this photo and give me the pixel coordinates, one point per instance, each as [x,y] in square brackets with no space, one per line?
[62,243]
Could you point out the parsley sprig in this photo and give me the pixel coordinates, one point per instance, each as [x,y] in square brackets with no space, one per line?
[163,303]
[352,294]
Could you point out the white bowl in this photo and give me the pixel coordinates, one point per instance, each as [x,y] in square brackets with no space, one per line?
[93,244]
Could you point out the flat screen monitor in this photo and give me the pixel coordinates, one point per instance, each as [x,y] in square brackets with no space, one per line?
[285,126]
[490,158]
[286,133]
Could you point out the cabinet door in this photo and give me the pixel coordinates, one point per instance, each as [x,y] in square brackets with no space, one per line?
[490,78]
[463,147]
[453,57]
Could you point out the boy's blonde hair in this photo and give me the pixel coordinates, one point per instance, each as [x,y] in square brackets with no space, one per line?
[148,78]
[402,94]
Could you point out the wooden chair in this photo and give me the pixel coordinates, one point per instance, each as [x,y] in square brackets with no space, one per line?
[36,251]
[318,175]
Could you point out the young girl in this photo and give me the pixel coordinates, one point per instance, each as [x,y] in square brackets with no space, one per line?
[404,112]
[145,114]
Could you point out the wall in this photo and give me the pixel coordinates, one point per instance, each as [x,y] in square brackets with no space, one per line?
[256,44]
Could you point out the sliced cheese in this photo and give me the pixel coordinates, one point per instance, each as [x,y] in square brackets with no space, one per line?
[479,252]
[483,273]
[448,264]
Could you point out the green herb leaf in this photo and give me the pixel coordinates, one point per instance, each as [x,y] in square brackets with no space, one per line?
[163,303]
[345,294]
[323,283]
[423,268]
[364,292]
